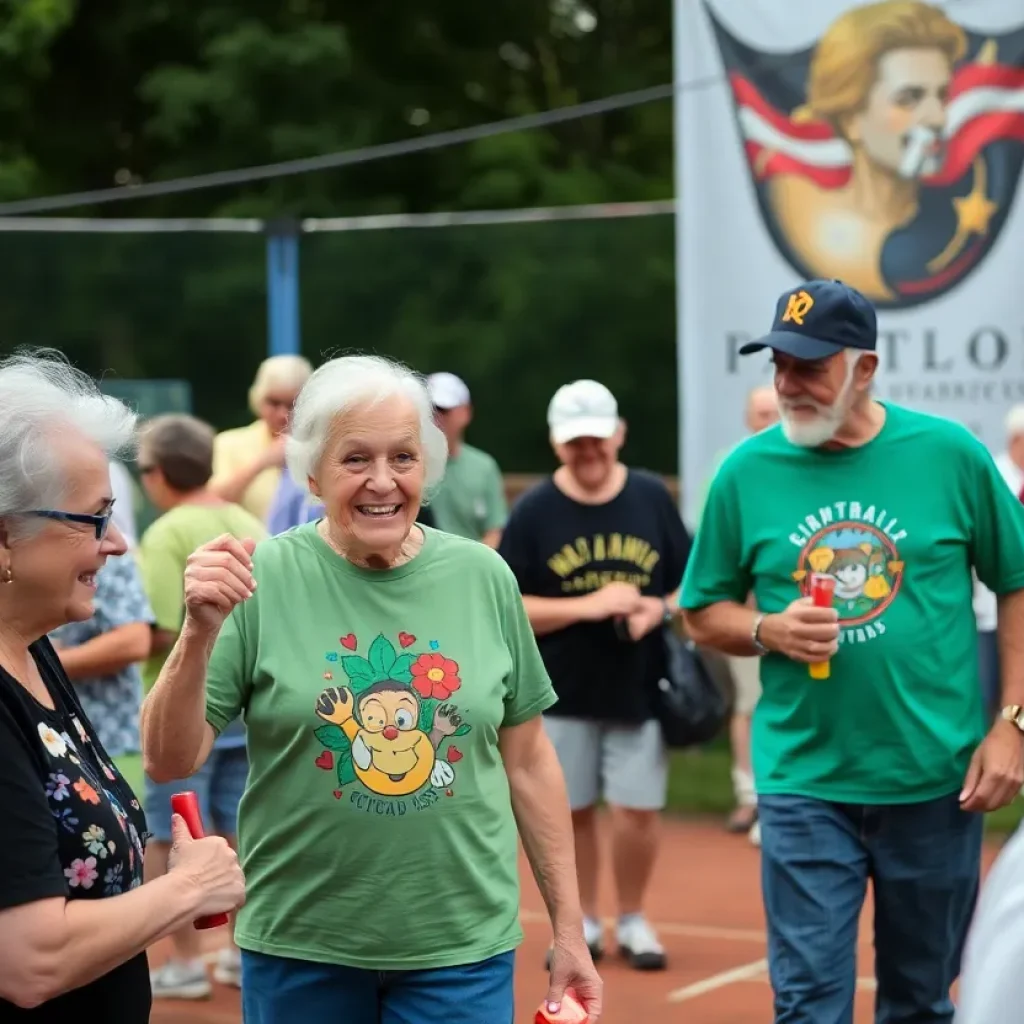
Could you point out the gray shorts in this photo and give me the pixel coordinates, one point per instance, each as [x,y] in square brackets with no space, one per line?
[746,677]
[627,765]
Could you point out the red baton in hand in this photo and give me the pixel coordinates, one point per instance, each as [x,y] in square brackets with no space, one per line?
[187,805]
[822,589]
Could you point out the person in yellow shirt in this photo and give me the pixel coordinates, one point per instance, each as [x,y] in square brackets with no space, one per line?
[247,461]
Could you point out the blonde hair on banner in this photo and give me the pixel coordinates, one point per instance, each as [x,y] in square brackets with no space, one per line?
[845,61]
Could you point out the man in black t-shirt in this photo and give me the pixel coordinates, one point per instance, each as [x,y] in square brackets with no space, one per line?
[599,551]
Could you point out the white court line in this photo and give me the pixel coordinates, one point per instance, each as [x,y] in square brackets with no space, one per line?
[756,971]
[746,972]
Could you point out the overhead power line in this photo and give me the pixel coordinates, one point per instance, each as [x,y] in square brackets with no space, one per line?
[348,158]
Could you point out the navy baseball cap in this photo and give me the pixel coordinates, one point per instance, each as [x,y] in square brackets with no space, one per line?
[817,319]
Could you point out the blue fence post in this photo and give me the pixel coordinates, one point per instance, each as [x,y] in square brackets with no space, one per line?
[283,336]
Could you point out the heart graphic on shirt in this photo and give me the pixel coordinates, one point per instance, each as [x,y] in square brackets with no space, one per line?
[325,761]
[405,639]
[337,794]
[454,755]
[349,642]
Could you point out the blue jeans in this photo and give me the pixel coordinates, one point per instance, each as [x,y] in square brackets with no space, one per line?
[218,786]
[988,669]
[279,990]
[924,863]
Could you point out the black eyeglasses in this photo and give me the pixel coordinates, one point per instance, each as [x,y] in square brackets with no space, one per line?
[98,522]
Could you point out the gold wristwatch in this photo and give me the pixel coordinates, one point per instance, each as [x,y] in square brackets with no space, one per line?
[1014,713]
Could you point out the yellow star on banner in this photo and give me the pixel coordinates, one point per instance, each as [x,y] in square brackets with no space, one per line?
[973,212]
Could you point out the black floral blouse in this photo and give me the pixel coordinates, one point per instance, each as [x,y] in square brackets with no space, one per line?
[73,829]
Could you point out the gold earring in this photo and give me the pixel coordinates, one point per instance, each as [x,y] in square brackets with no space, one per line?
[6,576]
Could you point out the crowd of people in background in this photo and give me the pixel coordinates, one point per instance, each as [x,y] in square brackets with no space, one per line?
[598,553]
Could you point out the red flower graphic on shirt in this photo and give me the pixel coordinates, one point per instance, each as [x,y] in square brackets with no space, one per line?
[434,675]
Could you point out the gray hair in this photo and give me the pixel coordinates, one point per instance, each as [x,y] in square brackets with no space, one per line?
[1015,422]
[285,371]
[42,397]
[181,447]
[342,383]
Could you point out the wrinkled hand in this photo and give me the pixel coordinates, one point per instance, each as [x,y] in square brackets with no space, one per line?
[803,632]
[572,967]
[996,772]
[218,575]
[613,600]
[649,616]
[209,864]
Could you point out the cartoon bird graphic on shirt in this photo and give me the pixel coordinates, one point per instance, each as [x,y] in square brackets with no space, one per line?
[391,754]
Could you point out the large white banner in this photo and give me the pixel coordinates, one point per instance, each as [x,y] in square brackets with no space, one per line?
[877,143]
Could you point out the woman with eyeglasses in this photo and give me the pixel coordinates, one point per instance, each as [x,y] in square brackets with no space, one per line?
[75,920]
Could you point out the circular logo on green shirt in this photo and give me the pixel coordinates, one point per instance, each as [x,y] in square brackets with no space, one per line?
[864,563]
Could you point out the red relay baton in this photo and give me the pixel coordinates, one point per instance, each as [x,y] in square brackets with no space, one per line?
[187,805]
[822,589]
[570,1012]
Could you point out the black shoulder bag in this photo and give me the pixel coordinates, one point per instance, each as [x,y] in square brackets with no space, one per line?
[687,701]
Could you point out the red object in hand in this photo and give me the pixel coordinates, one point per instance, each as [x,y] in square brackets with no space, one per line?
[187,805]
[822,589]
[570,1012]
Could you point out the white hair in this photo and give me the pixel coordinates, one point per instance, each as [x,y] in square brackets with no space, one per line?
[42,399]
[1015,422]
[348,381]
[286,371]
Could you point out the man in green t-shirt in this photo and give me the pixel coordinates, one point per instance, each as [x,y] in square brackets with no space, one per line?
[471,499]
[879,767]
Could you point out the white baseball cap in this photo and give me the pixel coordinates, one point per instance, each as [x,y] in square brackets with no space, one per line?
[583,408]
[447,391]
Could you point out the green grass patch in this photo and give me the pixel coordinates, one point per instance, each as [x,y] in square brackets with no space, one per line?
[700,784]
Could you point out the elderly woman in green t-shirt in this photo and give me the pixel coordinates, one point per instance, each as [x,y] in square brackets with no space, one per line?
[392,693]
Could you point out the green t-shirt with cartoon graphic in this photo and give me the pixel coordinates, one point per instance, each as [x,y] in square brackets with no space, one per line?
[898,523]
[376,828]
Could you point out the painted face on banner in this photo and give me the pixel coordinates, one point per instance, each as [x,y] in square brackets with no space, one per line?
[897,164]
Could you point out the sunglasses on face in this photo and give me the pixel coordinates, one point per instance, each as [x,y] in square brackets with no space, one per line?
[99,522]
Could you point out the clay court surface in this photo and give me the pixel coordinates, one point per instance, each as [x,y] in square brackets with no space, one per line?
[705,901]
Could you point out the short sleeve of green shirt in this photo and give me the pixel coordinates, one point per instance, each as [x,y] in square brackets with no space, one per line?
[715,570]
[497,505]
[528,689]
[998,524]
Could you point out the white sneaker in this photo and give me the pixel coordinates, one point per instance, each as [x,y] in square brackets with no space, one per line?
[640,946]
[227,969]
[178,979]
[755,833]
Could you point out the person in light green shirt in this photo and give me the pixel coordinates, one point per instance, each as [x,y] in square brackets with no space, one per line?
[392,693]
[470,502]
[879,766]
[176,459]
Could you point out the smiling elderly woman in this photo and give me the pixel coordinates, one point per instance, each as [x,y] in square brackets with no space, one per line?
[74,923]
[392,693]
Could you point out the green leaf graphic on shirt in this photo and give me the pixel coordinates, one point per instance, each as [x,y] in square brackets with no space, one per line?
[346,770]
[332,737]
[462,729]
[427,715]
[382,658]
[358,670]
[401,671]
